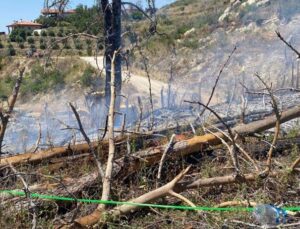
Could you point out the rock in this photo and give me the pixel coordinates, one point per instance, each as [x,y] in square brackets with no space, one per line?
[189,32]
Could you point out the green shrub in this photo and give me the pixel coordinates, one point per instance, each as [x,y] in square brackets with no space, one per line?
[42,46]
[67,46]
[19,39]
[89,51]
[60,34]
[32,48]
[44,33]
[42,41]
[88,42]
[1,46]
[41,80]
[21,45]
[87,78]
[181,30]
[19,32]
[11,51]
[191,43]
[78,45]
[51,34]
[55,46]
[36,33]
[30,40]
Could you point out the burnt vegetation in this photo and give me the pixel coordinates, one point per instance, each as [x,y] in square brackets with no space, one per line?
[165,148]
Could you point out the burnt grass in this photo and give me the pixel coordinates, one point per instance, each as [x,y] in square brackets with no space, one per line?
[284,190]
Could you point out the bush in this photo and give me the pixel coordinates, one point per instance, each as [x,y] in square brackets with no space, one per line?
[36,33]
[19,39]
[87,77]
[60,34]
[89,51]
[32,48]
[42,41]
[42,46]
[19,32]
[21,45]
[51,34]
[67,46]
[44,33]
[88,42]
[78,45]
[1,46]
[30,40]
[11,51]
[41,80]
[55,46]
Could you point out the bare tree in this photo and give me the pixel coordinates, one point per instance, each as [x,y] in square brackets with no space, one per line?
[6,113]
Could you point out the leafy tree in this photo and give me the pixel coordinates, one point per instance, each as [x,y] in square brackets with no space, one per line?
[19,32]
[44,33]
[51,33]
[87,20]
[30,40]
[11,51]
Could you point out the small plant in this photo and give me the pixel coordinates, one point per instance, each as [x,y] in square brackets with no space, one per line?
[30,40]
[51,33]
[78,45]
[87,77]
[11,51]
[44,33]
[42,41]
[1,45]
[21,45]
[36,34]
[42,46]
[67,46]
[32,48]
[89,51]
[55,46]
[19,39]
[60,34]
[88,42]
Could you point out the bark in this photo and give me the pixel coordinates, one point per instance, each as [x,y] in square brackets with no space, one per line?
[111,123]
[166,190]
[4,116]
[112,34]
[153,155]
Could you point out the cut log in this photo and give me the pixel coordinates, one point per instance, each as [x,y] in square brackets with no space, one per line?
[124,166]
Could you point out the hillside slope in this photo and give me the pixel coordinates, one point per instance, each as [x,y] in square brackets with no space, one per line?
[203,33]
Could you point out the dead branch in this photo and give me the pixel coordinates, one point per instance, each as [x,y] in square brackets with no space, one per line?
[5,115]
[125,209]
[111,123]
[217,80]
[233,149]
[295,164]
[180,149]
[32,205]
[87,139]
[162,160]
[288,44]
[277,126]
[145,63]
[240,149]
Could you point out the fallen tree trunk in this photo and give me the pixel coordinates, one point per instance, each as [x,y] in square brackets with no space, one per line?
[97,215]
[124,166]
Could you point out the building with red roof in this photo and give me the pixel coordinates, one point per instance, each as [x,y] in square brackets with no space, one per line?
[24,24]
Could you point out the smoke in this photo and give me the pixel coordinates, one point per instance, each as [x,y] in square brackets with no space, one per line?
[259,50]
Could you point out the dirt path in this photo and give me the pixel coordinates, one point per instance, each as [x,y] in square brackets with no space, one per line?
[140,83]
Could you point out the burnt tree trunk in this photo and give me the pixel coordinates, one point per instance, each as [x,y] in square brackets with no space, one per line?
[112,34]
